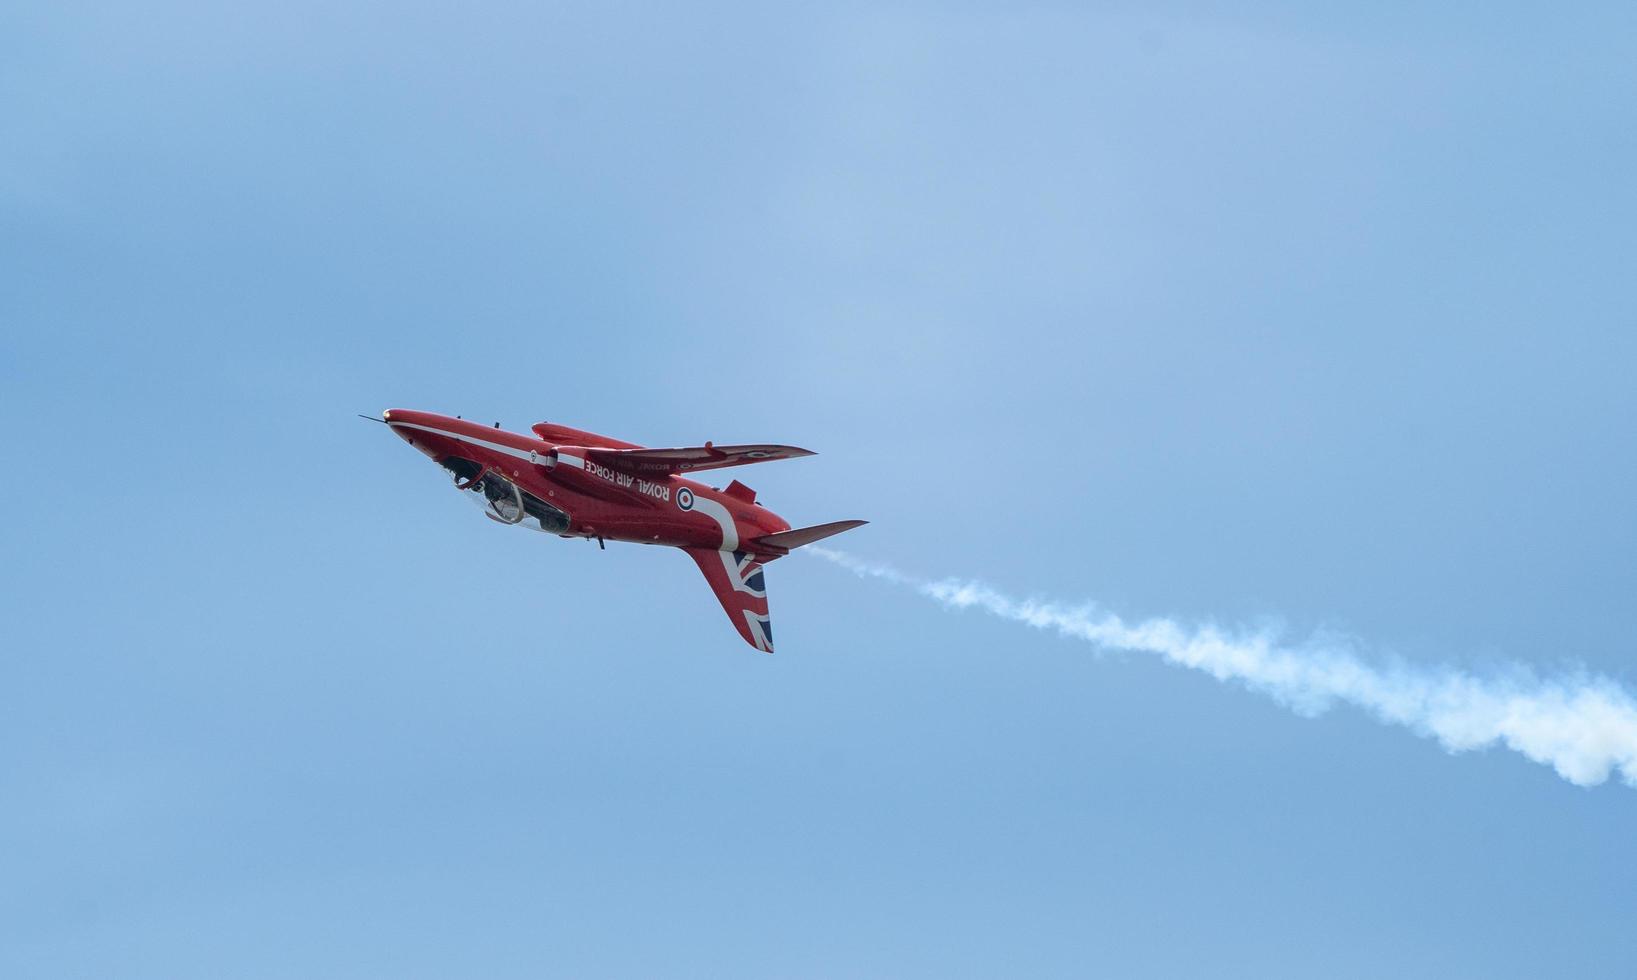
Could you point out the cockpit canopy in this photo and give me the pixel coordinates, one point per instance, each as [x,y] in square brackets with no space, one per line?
[503,501]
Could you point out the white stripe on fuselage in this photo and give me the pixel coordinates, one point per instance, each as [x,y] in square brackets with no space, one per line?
[530,455]
[716,512]
[730,542]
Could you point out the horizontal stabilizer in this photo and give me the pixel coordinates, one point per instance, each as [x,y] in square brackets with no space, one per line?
[796,537]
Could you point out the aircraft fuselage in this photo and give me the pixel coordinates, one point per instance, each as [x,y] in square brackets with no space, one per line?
[595,500]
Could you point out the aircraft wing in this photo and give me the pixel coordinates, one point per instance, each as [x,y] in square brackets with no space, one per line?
[738,581]
[690,458]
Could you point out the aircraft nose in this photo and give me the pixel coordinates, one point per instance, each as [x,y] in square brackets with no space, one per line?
[400,417]
[394,418]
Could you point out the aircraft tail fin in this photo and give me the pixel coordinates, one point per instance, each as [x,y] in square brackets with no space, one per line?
[738,581]
[796,537]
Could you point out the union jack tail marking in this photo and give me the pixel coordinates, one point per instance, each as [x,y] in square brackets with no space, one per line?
[740,585]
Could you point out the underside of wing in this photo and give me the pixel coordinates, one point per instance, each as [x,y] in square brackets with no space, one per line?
[567,435]
[691,458]
[740,586]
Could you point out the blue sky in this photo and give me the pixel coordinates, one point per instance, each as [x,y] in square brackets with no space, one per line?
[1207,311]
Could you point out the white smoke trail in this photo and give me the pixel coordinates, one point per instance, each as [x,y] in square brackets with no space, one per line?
[1584,726]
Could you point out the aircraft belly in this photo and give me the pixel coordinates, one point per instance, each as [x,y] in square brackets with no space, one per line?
[595,514]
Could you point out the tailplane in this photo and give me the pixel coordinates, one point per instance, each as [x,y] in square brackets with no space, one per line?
[796,537]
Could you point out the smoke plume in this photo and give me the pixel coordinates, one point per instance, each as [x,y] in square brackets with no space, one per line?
[1584,726]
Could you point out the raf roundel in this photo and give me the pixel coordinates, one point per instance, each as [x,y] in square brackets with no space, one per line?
[684,498]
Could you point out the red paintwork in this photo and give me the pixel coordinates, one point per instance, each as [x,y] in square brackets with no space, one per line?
[559,466]
[597,507]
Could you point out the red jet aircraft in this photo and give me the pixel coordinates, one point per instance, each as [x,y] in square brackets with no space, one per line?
[578,484]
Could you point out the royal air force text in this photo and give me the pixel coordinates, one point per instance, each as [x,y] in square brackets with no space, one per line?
[658,491]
